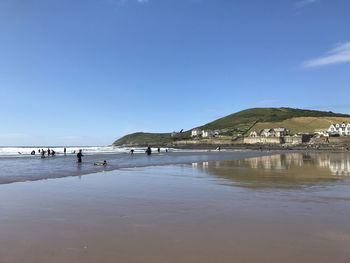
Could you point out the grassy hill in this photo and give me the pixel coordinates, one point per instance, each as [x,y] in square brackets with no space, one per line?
[302,124]
[243,121]
[296,120]
[144,139]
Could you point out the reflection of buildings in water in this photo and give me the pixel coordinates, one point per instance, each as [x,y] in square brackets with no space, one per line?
[204,165]
[277,162]
[265,162]
[338,164]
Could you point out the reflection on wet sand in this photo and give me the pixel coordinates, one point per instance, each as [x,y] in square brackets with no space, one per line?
[281,170]
[180,214]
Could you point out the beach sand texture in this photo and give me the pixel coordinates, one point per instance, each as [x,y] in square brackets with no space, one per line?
[280,208]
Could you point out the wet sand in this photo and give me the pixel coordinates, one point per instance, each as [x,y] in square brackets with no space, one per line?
[282,208]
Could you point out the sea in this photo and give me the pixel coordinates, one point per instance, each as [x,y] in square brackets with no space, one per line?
[23,151]
[18,165]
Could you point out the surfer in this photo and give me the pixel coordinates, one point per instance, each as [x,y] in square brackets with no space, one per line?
[33,152]
[132,152]
[79,155]
[149,151]
[104,163]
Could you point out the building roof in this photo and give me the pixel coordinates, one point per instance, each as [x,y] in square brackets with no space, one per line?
[279,129]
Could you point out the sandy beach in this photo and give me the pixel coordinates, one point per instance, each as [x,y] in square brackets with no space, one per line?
[280,208]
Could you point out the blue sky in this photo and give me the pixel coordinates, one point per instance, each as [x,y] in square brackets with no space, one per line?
[85,72]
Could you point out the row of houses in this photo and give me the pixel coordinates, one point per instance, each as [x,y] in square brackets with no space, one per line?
[204,133]
[274,132]
[336,129]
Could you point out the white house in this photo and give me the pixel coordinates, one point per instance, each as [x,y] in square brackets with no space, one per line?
[196,133]
[275,132]
[342,129]
[253,134]
[322,132]
[280,132]
[266,133]
[207,134]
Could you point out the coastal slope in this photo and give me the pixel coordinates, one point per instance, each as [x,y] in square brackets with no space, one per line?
[240,123]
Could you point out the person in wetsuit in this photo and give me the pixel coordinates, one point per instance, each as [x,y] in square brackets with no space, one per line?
[149,151]
[79,155]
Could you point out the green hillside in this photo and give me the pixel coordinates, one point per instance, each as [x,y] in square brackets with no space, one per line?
[144,139]
[242,122]
[302,124]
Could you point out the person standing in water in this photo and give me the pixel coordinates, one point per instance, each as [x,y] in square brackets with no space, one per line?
[149,150]
[79,155]
[64,150]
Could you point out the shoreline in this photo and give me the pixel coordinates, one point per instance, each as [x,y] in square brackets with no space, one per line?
[35,169]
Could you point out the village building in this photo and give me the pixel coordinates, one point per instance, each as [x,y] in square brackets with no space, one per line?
[280,132]
[266,133]
[341,129]
[196,133]
[272,136]
[321,132]
[208,133]
[204,133]
[254,134]
[275,132]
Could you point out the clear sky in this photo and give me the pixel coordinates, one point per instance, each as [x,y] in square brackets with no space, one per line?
[85,72]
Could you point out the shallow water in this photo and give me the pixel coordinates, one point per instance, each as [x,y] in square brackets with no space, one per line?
[31,168]
[281,208]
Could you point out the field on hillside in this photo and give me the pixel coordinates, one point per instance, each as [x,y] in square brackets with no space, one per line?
[301,124]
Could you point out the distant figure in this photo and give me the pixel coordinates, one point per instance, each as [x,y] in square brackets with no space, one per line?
[158,150]
[132,151]
[104,163]
[219,148]
[39,151]
[64,150]
[53,152]
[79,155]
[19,153]
[33,152]
[42,154]
[149,150]
[48,152]
[166,150]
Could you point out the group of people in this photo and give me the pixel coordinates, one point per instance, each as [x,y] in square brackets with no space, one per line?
[148,151]
[42,152]
[48,152]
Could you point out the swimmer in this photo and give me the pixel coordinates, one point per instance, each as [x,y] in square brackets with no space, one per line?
[104,163]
